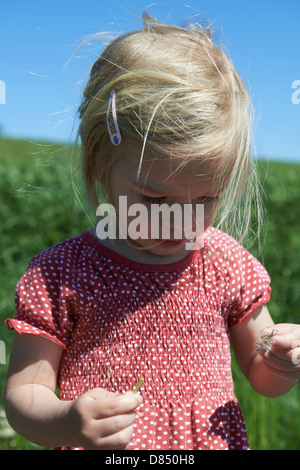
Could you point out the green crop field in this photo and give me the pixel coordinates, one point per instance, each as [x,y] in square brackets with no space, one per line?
[39,208]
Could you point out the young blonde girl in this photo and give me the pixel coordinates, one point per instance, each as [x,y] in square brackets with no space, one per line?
[165,119]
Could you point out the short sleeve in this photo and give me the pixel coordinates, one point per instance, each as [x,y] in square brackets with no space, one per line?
[248,285]
[42,301]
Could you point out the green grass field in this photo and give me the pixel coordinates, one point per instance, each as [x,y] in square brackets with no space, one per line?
[39,209]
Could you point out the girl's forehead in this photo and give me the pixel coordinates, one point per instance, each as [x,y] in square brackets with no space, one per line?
[170,174]
[166,171]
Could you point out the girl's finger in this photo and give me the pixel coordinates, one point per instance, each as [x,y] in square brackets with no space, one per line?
[283,346]
[278,364]
[114,424]
[119,440]
[116,405]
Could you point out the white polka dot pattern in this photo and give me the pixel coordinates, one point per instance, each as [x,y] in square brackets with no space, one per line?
[119,321]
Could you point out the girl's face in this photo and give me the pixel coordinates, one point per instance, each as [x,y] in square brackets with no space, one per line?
[160,183]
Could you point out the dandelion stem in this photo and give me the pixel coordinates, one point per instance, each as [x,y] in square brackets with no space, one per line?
[138,386]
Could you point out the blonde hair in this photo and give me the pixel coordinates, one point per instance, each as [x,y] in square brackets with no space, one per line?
[179,94]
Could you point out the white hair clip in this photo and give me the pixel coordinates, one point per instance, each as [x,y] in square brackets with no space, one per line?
[115,136]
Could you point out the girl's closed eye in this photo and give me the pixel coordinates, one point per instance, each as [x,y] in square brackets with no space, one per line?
[152,199]
[160,199]
[209,199]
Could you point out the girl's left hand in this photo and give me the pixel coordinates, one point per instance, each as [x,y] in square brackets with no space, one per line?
[283,356]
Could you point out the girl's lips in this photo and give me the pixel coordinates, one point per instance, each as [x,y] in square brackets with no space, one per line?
[171,243]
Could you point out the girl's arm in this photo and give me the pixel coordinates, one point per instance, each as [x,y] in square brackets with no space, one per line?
[32,407]
[96,420]
[271,373]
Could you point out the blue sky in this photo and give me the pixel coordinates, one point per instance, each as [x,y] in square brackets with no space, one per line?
[37,39]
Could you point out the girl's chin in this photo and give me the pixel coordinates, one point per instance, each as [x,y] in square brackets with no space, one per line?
[163,247]
[171,243]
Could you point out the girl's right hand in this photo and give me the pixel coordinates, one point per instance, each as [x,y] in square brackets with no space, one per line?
[102,420]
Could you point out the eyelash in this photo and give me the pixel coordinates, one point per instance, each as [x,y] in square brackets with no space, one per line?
[209,199]
[157,200]
[152,200]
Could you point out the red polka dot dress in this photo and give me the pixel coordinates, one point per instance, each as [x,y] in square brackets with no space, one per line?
[119,321]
